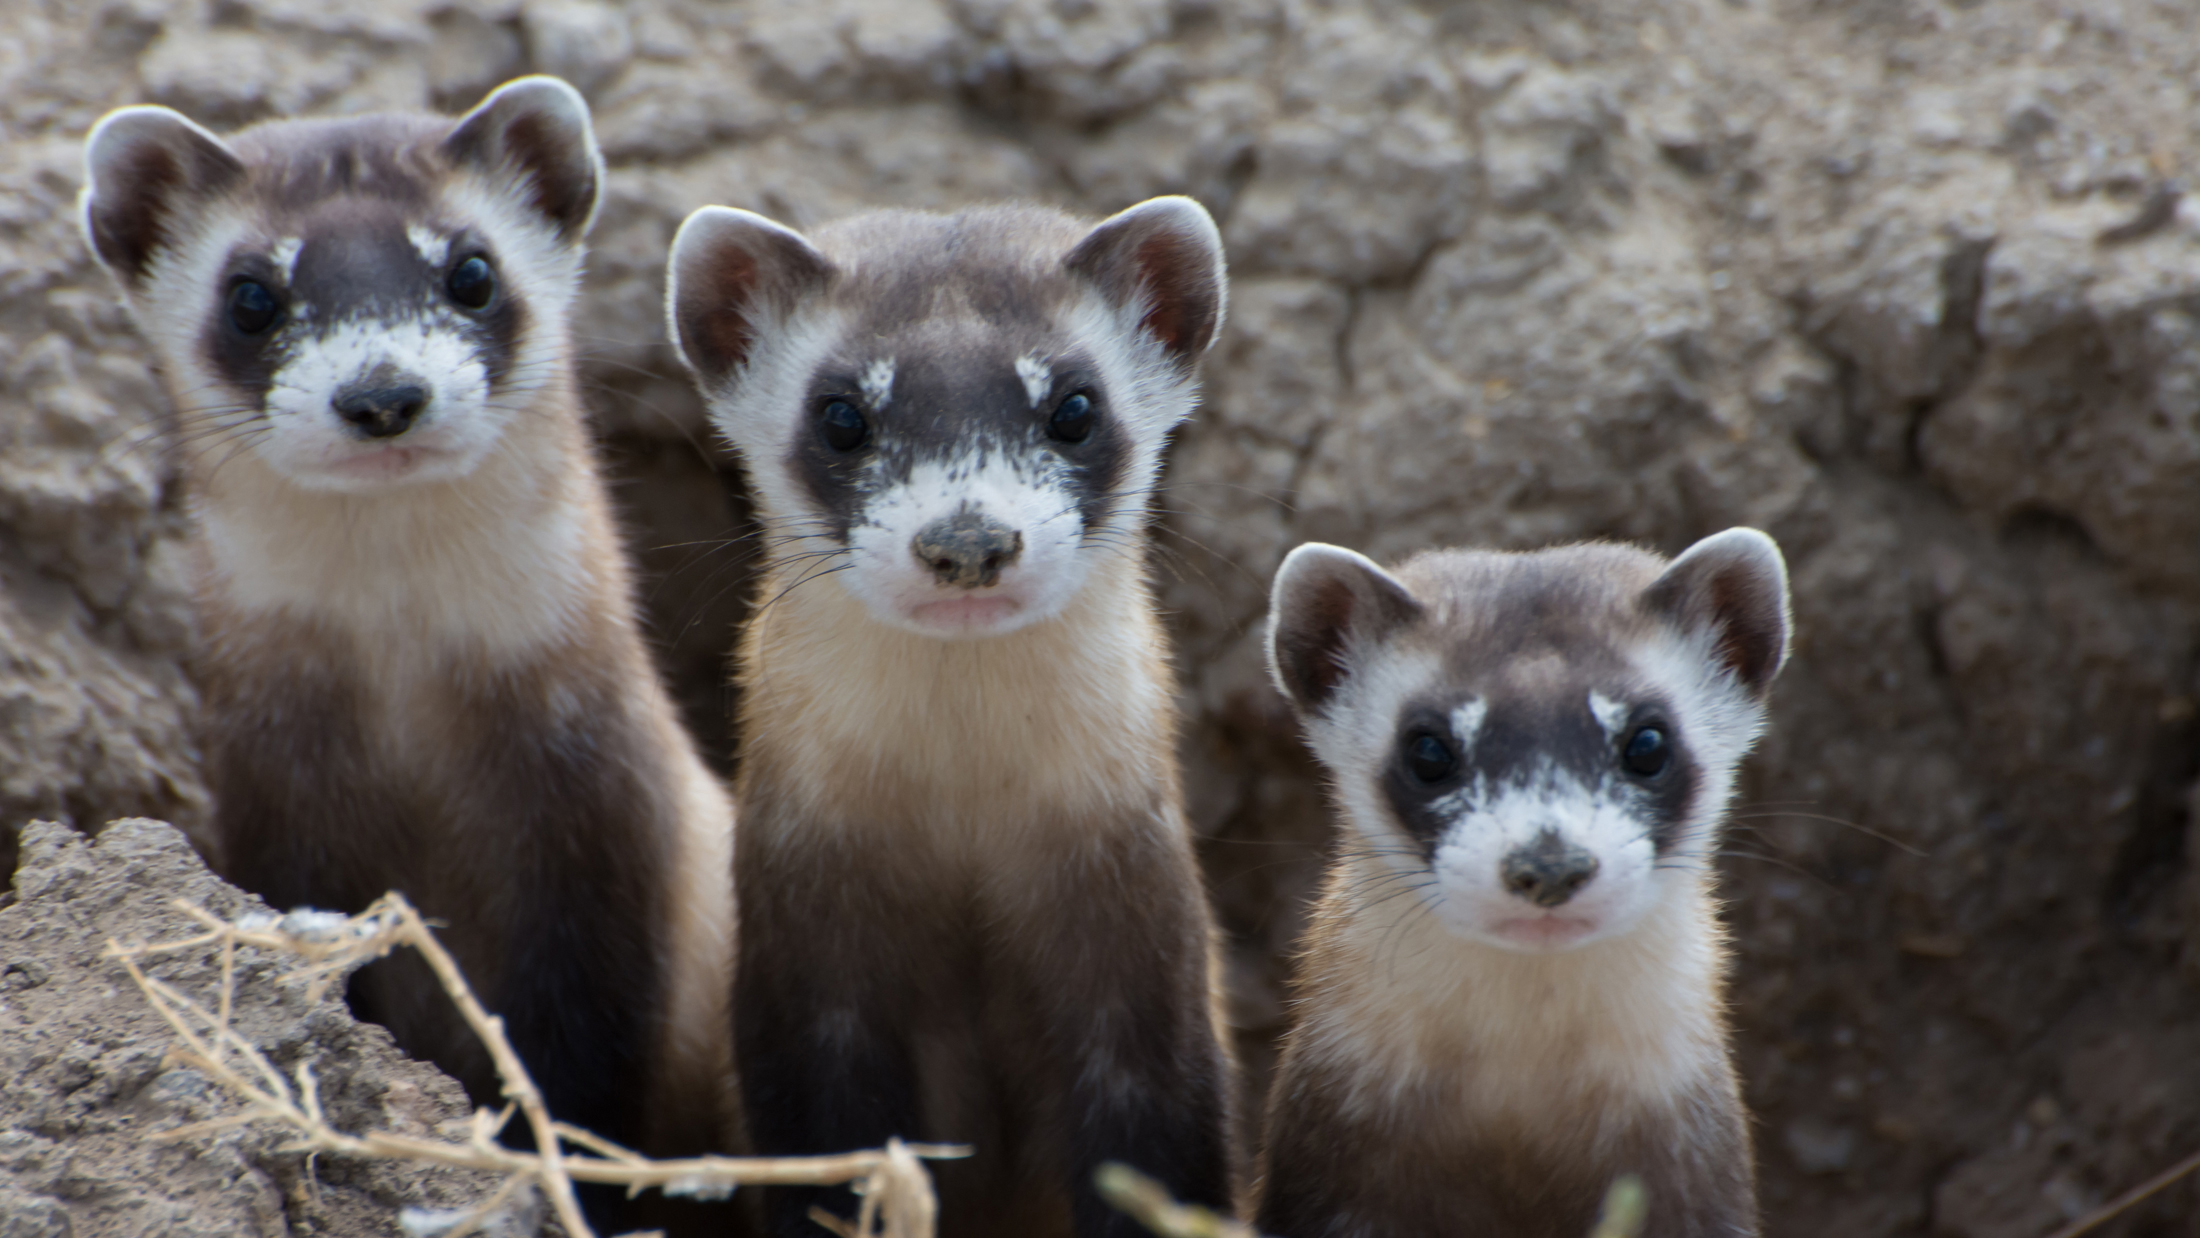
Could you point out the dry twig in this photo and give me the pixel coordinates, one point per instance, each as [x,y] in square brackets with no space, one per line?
[1626,1206]
[1150,1204]
[2101,1215]
[897,1192]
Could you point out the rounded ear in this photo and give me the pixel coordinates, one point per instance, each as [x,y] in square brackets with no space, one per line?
[1329,607]
[1163,256]
[536,127]
[1731,587]
[731,275]
[143,165]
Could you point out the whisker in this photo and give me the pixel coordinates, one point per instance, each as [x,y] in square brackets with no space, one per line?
[1890,840]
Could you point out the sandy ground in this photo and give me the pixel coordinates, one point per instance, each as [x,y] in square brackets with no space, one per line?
[1911,285]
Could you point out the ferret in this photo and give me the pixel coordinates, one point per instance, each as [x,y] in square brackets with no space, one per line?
[421,667]
[969,908]
[1510,992]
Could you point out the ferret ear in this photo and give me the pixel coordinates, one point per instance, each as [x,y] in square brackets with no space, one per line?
[1732,587]
[142,167]
[731,276]
[1329,607]
[536,127]
[1164,256]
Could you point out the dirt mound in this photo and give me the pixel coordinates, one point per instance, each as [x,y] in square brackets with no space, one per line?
[83,1081]
[1911,284]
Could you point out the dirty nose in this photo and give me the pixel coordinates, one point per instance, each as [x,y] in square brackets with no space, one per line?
[381,411]
[968,549]
[1549,870]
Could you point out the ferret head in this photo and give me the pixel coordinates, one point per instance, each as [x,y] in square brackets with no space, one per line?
[1542,744]
[357,303]
[956,415]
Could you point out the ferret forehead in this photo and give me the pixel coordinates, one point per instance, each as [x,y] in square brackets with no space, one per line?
[994,268]
[1533,622]
[296,166]
[352,253]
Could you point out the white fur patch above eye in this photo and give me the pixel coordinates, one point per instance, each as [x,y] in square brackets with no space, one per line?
[1610,714]
[1466,721]
[877,382]
[1038,376]
[285,256]
[434,247]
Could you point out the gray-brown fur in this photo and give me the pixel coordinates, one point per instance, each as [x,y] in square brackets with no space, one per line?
[970,910]
[431,678]
[1419,1169]
[977,1018]
[538,834]
[1447,1074]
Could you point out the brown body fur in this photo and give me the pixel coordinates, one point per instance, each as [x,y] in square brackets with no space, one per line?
[1352,1153]
[425,674]
[534,804]
[982,880]
[1450,1072]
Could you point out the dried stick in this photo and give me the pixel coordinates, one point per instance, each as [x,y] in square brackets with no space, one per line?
[1150,1204]
[1626,1207]
[519,1086]
[897,1192]
[2102,1214]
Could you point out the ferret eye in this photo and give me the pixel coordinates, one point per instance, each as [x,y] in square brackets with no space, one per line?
[1072,419]
[252,308]
[843,426]
[1646,752]
[1430,758]
[472,283]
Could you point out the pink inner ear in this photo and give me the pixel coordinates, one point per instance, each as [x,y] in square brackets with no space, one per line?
[714,314]
[1330,610]
[1744,644]
[536,141]
[1168,319]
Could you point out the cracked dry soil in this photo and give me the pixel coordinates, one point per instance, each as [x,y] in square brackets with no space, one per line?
[1910,284]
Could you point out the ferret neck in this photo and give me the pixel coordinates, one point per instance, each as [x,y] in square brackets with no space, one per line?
[503,562]
[1078,705]
[1635,1018]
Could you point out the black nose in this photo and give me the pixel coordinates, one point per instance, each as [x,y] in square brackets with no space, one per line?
[381,412]
[968,549]
[1549,870]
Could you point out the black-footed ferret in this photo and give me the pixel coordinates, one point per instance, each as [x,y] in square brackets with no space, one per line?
[420,666]
[1511,991]
[969,906]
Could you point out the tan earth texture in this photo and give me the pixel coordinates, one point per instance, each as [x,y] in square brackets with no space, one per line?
[83,1080]
[1910,284]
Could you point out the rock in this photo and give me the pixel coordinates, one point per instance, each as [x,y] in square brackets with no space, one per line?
[1503,273]
[84,1076]
[582,41]
[1819,1147]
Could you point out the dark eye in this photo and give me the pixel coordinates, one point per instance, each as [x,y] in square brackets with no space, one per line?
[1430,758]
[843,426]
[1646,752]
[252,308]
[1072,419]
[472,283]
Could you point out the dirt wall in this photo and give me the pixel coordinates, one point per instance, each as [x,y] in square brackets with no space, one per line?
[1911,285]
[84,1076]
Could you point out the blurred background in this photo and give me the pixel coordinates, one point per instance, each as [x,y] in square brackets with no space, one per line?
[1913,285]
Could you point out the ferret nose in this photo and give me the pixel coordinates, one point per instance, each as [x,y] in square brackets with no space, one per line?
[381,411]
[1549,870]
[968,549]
